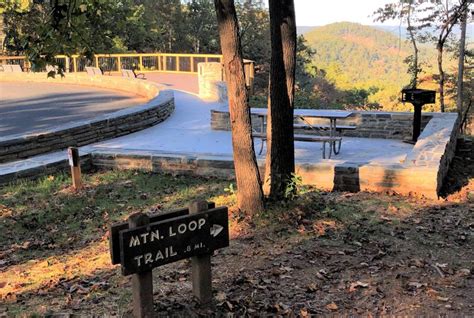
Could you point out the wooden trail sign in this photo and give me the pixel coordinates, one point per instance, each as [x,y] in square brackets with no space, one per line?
[114,229]
[146,242]
[146,247]
[168,237]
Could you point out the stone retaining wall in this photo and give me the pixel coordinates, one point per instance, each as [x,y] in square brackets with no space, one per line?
[159,107]
[422,172]
[177,164]
[388,125]
[40,170]
[425,167]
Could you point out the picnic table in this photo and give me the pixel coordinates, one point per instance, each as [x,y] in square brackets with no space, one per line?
[303,115]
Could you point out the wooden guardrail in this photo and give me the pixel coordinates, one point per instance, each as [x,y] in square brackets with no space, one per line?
[144,62]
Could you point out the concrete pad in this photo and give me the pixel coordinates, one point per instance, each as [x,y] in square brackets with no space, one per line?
[188,131]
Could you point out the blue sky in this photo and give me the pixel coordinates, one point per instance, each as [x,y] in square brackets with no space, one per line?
[322,12]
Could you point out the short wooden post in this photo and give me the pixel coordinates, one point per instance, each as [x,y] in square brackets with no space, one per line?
[142,283]
[119,64]
[74,162]
[140,62]
[68,64]
[201,265]
[74,64]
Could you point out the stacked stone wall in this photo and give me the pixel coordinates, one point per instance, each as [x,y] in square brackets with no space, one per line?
[368,124]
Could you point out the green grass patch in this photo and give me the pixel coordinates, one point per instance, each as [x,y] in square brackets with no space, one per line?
[48,214]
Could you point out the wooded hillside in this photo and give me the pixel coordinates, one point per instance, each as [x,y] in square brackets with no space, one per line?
[355,56]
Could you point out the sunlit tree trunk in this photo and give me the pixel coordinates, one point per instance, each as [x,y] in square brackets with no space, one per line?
[280,158]
[249,188]
[414,69]
[452,18]
[441,77]
[462,47]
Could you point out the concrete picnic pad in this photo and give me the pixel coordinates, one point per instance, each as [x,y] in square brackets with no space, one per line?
[188,130]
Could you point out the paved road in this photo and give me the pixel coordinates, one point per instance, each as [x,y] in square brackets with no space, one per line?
[26,107]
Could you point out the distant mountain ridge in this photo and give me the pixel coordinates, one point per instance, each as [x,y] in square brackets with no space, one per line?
[395,29]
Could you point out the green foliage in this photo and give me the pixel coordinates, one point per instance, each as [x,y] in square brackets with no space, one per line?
[230,189]
[49,28]
[293,187]
[43,29]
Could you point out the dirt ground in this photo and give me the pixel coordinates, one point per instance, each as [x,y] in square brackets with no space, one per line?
[324,254]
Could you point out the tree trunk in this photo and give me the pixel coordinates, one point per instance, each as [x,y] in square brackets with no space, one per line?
[462,47]
[249,187]
[280,158]
[441,77]
[415,69]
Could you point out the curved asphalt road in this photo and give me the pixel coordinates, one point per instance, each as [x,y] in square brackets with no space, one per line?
[26,107]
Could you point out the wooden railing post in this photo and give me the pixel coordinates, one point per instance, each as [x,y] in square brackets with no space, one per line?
[67,65]
[74,63]
[140,62]
[119,64]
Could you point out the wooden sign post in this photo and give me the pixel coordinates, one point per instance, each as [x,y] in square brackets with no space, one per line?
[73,156]
[142,283]
[146,242]
[201,265]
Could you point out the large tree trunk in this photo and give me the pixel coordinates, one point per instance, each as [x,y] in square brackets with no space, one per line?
[249,187]
[441,77]
[280,158]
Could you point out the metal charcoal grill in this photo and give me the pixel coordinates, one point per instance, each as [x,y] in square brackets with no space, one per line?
[417,97]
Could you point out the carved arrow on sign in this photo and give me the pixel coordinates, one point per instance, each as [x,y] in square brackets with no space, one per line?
[216,229]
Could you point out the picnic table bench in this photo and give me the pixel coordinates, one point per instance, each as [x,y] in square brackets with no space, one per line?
[309,138]
[338,128]
[93,71]
[131,74]
[333,140]
[11,68]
